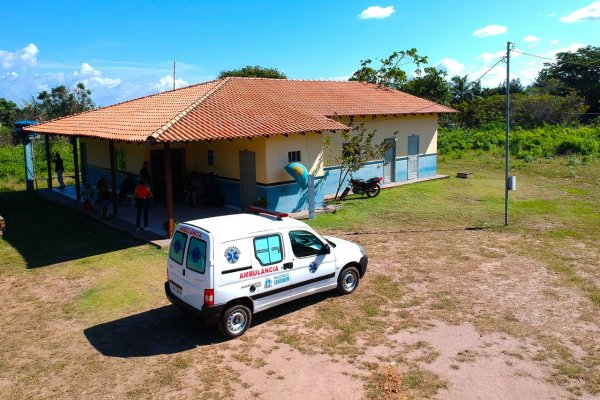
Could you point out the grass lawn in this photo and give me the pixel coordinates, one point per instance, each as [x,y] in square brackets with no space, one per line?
[84,315]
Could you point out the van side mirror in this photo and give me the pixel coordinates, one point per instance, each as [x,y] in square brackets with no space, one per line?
[325,249]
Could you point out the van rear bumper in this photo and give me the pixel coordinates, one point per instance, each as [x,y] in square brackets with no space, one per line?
[210,314]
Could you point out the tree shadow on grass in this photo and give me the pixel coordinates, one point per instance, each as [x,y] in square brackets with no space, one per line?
[167,330]
[46,233]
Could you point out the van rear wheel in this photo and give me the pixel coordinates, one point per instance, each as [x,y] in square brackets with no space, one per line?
[348,280]
[235,321]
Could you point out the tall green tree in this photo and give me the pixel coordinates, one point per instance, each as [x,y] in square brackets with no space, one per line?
[253,72]
[389,73]
[580,71]
[59,102]
[8,112]
[431,85]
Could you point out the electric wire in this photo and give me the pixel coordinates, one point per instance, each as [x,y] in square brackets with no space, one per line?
[552,60]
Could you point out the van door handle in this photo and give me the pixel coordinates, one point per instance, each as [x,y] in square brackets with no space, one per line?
[288,265]
[183,272]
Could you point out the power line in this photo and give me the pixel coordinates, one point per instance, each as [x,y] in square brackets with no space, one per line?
[492,67]
[553,60]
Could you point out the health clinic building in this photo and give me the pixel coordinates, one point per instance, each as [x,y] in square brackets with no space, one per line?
[244,131]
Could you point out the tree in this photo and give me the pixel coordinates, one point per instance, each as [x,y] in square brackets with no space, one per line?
[8,112]
[389,73]
[462,89]
[59,102]
[253,72]
[357,149]
[579,71]
[432,86]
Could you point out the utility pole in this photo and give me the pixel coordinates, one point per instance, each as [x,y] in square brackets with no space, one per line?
[506,185]
[173,75]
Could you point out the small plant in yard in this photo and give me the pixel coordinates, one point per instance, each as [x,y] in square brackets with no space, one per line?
[358,149]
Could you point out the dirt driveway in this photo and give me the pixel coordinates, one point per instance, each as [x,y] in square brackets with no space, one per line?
[454,314]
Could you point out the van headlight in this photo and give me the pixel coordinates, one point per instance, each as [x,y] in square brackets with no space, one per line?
[362,250]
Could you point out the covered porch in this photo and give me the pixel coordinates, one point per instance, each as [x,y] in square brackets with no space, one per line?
[125,218]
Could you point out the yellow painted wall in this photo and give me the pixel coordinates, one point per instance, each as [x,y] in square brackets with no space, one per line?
[310,146]
[226,157]
[423,125]
[135,154]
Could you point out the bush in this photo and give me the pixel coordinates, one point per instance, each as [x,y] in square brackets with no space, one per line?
[547,141]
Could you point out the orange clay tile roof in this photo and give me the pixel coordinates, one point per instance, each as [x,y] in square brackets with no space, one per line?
[239,107]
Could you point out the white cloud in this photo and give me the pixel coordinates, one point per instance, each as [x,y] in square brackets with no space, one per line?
[452,67]
[377,12]
[488,57]
[490,30]
[166,83]
[588,12]
[531,38]
[93,78]
[23,58]
[555,41]
[12,74]
[573,47]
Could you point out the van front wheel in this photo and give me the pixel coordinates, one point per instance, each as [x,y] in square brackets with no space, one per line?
[348,280]
[235,321]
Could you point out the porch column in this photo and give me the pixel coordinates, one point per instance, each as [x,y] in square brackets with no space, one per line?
[169,190]
[76,166]
[113,177]
[48,160]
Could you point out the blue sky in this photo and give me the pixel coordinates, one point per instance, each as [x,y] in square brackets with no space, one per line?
[125,49]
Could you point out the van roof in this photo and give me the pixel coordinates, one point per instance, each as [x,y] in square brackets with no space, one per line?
[243,225]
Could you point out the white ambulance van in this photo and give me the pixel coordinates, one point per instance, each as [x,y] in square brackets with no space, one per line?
[227,268]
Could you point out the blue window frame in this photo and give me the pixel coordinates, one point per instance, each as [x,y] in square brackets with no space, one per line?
[267,249]
[178,247]
[196,255]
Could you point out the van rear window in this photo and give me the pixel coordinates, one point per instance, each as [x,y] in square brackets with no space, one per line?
[196,255]
[177,247]
[268,249]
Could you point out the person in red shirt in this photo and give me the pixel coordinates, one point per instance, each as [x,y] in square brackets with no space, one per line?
[142,199]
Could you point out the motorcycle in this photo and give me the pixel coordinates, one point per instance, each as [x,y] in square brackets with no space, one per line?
[369,187]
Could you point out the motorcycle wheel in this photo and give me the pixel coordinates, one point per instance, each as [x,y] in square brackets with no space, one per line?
[374,190]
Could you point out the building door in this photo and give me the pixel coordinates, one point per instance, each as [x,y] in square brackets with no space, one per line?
[413,156]
[247,178]
[157,172]
[389,161]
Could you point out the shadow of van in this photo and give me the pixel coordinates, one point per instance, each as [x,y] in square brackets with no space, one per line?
[167,330]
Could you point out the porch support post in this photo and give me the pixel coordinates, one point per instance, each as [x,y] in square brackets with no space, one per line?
[113,177]
[76,166]
[169,190]
[48,160]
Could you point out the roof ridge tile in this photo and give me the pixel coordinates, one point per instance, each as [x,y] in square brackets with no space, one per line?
[163,129]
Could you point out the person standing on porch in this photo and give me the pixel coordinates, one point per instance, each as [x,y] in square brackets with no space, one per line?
[145,174]
[59,166]
[142,198]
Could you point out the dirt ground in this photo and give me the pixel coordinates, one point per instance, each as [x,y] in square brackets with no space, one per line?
[485,315]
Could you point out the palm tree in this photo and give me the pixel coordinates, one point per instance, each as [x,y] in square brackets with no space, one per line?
[462,89]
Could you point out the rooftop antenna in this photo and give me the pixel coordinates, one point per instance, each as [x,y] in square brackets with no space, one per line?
[173,75]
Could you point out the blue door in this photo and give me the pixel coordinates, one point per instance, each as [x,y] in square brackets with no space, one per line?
[413,156]
[389,161]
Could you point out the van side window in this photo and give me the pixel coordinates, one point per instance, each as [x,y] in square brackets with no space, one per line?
[305,244]
[177,247]
[268,249]
[196,255]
